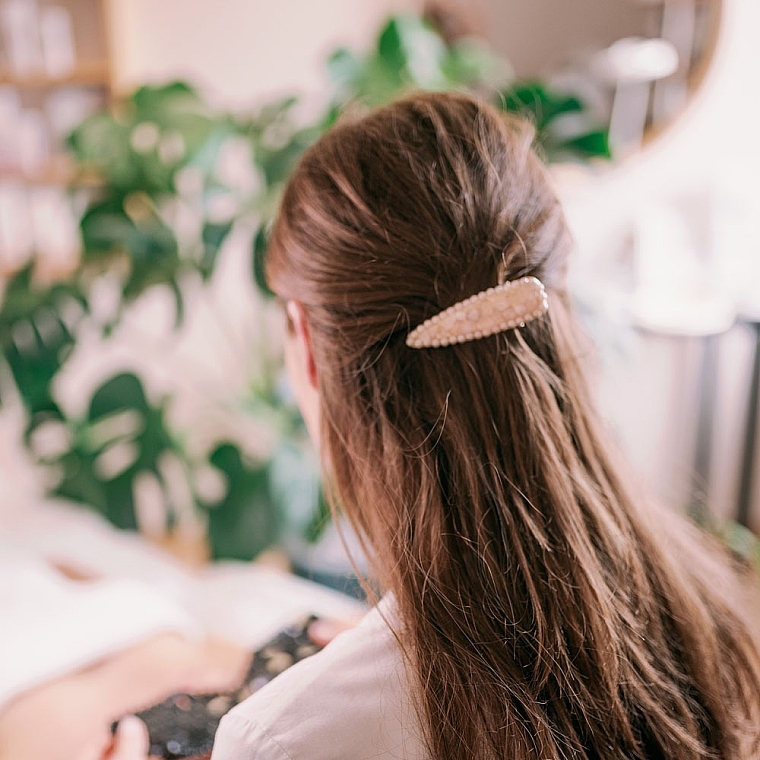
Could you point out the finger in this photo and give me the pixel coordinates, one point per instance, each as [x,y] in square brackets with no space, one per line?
[324,630]
[131,741]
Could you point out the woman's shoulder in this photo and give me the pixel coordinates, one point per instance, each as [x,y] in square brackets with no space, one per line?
[349,701]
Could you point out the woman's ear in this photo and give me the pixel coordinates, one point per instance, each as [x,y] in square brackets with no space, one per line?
[300,327]
[302,369]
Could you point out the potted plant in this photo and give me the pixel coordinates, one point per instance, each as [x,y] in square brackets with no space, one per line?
[157,155]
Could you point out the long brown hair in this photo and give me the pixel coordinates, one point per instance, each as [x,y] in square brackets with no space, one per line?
[546,613]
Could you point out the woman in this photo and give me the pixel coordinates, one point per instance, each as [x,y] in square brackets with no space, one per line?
[533,607]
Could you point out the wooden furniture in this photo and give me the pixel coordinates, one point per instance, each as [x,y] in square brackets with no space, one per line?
[55,70]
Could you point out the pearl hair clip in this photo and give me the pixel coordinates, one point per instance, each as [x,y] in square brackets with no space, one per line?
[504,307]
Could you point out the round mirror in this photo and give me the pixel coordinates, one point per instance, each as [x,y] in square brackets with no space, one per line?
[636,63]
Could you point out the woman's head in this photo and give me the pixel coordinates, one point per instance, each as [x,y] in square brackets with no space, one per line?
[388,221]
[542,618]
[413,208]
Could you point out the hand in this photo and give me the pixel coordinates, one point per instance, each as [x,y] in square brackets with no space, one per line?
[324,630]
[79,708]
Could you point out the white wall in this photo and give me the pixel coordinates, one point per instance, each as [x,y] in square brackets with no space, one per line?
[239,49]
[709,160]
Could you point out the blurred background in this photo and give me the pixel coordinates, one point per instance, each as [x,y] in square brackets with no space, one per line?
[143,147]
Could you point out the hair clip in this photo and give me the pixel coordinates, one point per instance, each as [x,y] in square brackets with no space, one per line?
[503,307]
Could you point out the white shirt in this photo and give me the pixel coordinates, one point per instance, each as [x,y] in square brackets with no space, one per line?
[349,702]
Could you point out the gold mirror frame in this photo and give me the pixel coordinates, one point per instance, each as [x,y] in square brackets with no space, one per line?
[565,48]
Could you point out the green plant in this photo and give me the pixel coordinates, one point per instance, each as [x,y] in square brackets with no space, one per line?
[411,55]
[159,156]
[158,148]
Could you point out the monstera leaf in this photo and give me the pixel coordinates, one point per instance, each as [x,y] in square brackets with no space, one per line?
[124,437]
[244,521]
[121,437]
[37,325]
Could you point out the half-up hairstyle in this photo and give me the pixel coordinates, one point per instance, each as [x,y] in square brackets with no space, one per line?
[545,612]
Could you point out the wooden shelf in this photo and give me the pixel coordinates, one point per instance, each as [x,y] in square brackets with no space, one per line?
[60,173]
[95,73]
[56,108]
